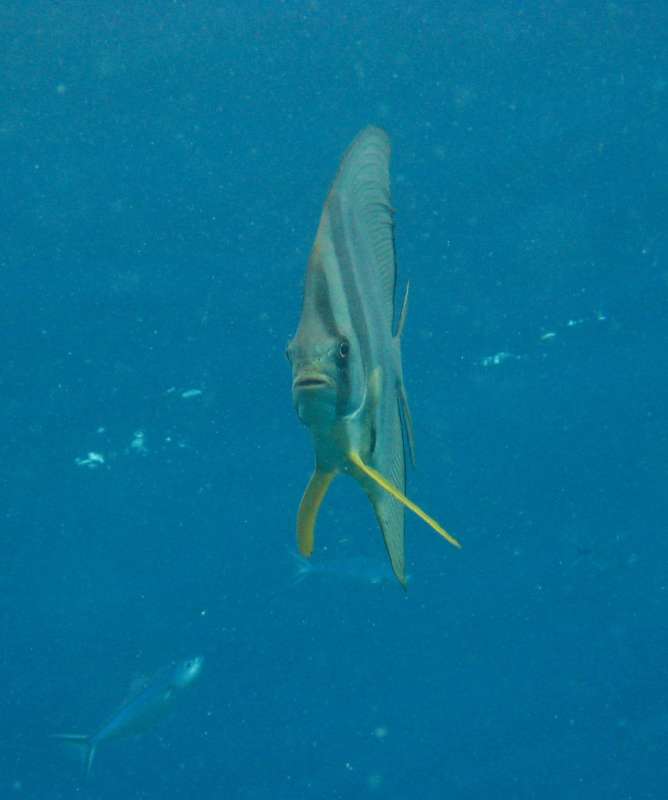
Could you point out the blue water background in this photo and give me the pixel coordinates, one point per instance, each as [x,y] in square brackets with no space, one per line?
[164,166]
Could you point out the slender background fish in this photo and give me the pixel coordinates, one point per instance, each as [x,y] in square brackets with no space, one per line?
[357,569]
[347,380]
[141,712]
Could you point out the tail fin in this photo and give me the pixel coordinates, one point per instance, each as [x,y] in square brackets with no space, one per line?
[303,567]
[83,744]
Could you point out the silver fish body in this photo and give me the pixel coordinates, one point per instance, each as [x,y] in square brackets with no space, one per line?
[141,712]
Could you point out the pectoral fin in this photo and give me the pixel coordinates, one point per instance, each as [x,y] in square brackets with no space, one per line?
[400,496]
[308,509]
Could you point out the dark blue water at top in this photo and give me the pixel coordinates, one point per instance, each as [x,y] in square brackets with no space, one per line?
[164,166]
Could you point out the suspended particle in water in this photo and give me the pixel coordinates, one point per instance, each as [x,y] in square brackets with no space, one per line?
[138,443]
[91,460]
[374,781]
[380,732]
[497,358]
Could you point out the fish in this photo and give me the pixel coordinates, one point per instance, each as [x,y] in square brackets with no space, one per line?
[347,377]
[141,712]
[358,569]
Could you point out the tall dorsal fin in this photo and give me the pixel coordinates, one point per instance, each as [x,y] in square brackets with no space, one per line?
[360,200]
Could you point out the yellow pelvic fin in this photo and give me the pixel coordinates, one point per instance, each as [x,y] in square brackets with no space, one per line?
[400,496]
[314,494]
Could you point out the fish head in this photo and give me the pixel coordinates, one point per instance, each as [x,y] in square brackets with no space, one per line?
[327,376]
[185,672]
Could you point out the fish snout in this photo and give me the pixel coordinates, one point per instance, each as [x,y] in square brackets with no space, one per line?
[314,394]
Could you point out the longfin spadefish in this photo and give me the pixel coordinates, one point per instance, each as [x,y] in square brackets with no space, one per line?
[314,494]
[400,496]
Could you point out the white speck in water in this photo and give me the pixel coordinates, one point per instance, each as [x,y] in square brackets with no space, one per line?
[497,358]
[90,460]
[138,443]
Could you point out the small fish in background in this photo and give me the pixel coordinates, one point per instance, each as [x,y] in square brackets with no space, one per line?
[358,569]
[347,377]
[141,712]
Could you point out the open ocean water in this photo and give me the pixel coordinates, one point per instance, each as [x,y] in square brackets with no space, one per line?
[164,165]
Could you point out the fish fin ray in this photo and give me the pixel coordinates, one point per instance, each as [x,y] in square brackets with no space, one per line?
[407,421]
[401,497]
[405,412]
[404,312]
[364,176]
[314,494]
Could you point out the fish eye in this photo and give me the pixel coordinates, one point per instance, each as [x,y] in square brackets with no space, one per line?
[344,348]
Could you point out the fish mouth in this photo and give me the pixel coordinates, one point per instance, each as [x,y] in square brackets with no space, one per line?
[311,382]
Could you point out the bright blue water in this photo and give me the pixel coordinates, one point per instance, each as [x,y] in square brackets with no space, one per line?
[164,165]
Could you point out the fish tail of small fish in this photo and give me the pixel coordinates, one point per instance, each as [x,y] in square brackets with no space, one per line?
[303,567]
[83,744]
